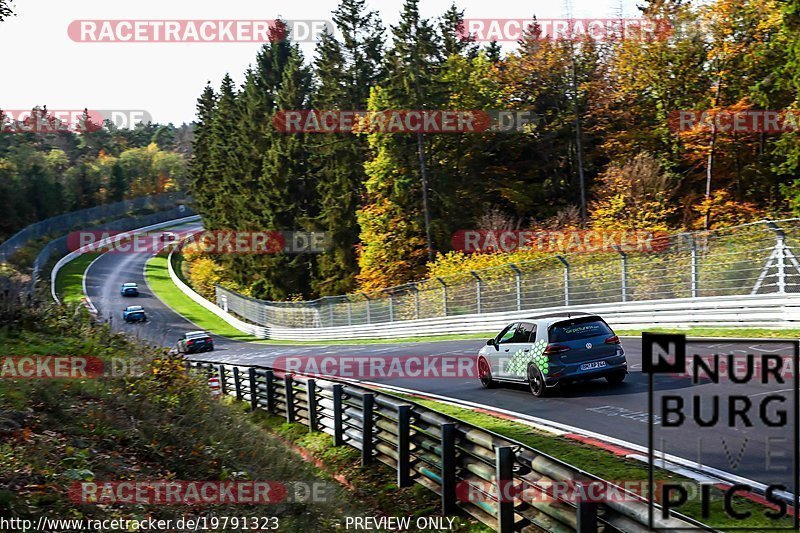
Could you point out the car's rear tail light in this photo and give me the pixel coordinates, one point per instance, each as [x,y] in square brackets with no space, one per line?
[556,348]
[612,340]
[189,343]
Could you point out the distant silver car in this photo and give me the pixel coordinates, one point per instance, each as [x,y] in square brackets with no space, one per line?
[552,349]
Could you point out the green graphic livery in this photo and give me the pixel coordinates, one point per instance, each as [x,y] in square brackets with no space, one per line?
[518,365]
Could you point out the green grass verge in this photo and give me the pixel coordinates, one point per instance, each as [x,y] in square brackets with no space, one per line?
[610,467]
[69,281]
[157,424]
[756,333]
[160,283]
[158,278]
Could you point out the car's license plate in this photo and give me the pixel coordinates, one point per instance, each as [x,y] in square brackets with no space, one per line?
[592,366]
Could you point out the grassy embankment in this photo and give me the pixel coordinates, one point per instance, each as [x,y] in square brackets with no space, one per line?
[161,424]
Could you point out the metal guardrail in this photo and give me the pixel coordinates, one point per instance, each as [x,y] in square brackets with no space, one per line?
[67,221]
[438,452]
[751,259]
[58,247]
[102,242]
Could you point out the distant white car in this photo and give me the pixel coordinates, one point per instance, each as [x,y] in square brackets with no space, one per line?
[168,236]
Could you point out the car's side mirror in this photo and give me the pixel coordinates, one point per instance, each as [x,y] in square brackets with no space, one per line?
[490,342]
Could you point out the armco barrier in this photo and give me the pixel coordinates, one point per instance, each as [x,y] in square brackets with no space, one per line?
[58,247]
[752,259]
[774,310]
[72,255]
[440,453]
[760,310]
[258,331]
[64,222]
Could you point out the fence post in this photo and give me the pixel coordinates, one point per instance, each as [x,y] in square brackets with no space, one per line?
[518,282]
[349,311]
[444,294]
[366,429]
[311,390]
[223,384]
[448,457]
[504,474]
[695,285]
[566,277]
[237,384]
[624,258]
[330,312]
[287,379]
[403,445]
[478,287]
[253,389]
[368,300]
[780,246]
[416,300]
[338,415]
[270,377]
[587,516]
[390,292]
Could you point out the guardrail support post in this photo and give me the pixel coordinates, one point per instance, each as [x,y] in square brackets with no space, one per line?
[566,277]
[504,474]
[367,429]
[311,390]
[223,383]
[338,415]
[518,283]
[403,445]
[478,283]
[237,384]
[349,311]
[287,379]
[330,312]
[270,377]
[587,517]
[448,457]
[253,388]
[444,294]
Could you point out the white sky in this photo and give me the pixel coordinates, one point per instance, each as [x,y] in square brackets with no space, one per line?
[41,65]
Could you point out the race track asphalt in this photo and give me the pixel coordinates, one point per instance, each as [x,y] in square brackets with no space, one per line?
[619,411]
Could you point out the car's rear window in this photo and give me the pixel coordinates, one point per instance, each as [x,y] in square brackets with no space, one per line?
[578,329]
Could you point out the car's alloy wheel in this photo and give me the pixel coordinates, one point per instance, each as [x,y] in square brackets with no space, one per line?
[485,373]
[536,382]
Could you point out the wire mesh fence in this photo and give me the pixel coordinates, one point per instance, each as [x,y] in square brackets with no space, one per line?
[757,258]
[63,223]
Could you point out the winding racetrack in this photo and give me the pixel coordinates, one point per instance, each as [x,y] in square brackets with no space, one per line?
[619,412]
